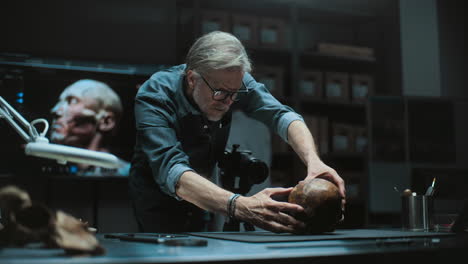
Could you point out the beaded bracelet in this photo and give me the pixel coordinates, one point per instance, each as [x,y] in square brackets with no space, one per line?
[231,206]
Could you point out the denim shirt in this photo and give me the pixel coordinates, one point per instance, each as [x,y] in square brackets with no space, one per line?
[160,107]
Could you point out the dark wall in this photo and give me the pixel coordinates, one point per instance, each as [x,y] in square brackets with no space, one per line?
[453,55]
[453,49]
[390,81]
[117,30]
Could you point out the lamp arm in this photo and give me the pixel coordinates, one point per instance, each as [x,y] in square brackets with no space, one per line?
[38,145]
[9,113]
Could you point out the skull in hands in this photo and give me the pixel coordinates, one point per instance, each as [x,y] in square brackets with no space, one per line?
[321,201]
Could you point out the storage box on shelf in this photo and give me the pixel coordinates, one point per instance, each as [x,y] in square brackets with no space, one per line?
[336,86]
[212,20]
[272,32]
[342,138]
[272,77]
[310,84]
[362,86]
[349,138]
[254,31]
[245,27]
[360,139]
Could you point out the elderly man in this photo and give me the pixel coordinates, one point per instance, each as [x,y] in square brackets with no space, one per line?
[86,116]
[183,116]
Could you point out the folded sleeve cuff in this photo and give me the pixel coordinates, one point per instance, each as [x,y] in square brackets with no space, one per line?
[173,178]
[284,122]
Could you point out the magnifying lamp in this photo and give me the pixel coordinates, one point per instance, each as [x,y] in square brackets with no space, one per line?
[38,145]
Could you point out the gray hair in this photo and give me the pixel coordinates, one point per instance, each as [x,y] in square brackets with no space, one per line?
[217,50]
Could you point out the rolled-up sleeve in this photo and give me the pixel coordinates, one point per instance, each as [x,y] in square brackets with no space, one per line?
[156,136]
[259,104]
[284,122]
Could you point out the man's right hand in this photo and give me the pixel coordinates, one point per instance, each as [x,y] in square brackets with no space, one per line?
[264,212]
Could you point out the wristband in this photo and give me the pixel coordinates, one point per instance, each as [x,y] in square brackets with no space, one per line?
[231,206]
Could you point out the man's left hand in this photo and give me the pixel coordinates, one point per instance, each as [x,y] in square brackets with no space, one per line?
[321,170]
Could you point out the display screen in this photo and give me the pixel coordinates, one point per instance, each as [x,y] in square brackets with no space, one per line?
[86,109]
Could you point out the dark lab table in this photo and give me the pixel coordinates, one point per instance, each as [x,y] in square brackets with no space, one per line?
[362,245]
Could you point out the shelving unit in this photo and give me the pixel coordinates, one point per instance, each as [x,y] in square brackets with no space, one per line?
[345,29]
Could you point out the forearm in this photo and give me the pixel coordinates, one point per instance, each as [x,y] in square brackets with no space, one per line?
[259,209]
[203,193]
[302,141]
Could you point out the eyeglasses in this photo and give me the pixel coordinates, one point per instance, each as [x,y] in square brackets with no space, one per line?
[221,95]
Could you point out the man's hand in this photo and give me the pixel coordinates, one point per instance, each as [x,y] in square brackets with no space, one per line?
[262,211]
[302,142]
[321,170]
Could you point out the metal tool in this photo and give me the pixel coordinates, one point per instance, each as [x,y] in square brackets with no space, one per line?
[430,189]
[168,240]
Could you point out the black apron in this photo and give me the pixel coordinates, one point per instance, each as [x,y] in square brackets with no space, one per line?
[204,142]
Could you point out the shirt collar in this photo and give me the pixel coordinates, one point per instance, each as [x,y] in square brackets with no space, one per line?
[181,92]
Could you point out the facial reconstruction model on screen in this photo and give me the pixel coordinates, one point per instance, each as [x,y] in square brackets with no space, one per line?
[86,116]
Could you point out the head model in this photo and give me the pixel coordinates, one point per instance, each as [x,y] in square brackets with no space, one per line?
[85,115]
[216,64]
